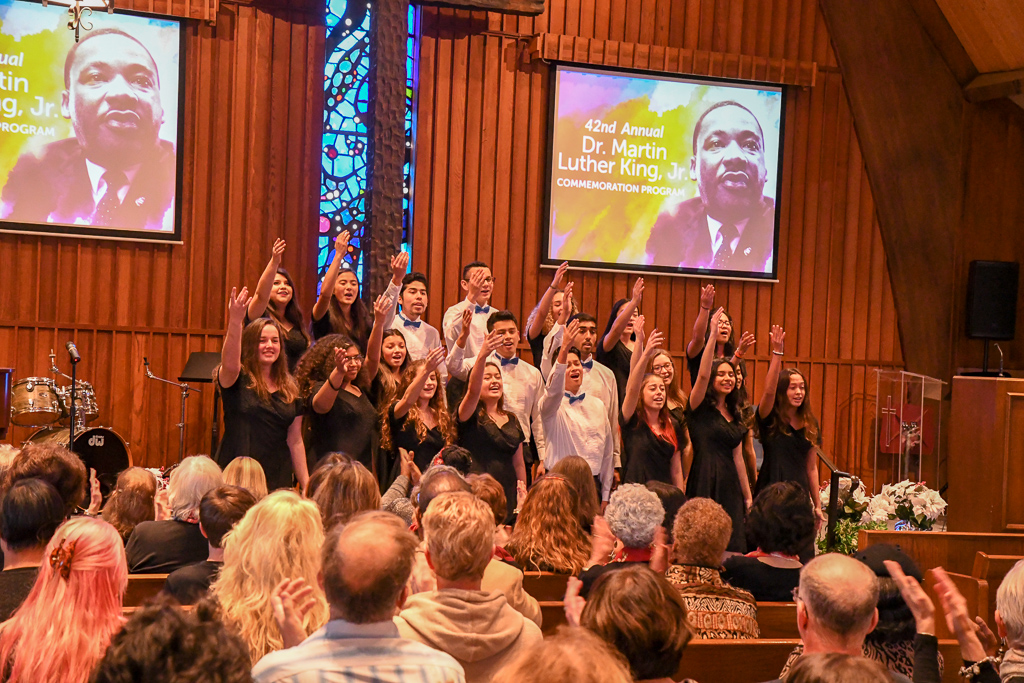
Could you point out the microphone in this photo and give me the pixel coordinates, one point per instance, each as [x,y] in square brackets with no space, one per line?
[145,361]
[73,352]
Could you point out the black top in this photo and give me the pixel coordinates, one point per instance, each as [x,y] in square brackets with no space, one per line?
[188,584]
[349,427]
[163,546]
[403,435]
[294,343]
[682,436]
[645,456]
[785,456]
[492,448]
[15,585]
[323,327]
[767,583]
[617,360]
[536,347]
[259,430]
[693,366]
[713,472]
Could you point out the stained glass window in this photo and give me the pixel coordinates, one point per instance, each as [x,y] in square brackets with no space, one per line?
[343,180]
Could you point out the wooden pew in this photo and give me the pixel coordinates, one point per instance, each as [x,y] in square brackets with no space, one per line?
[975,592]
[545,586]
[142,587]
[552,614]
[954,551]
[993,569]
[777,620]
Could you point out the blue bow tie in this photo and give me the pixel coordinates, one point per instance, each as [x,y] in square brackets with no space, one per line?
[514,360]
[415,324]
[482,309]
[588,364]
[575,399]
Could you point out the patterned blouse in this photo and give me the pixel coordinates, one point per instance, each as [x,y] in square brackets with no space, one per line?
[714,608]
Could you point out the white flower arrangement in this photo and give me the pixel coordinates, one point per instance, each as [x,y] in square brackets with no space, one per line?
[909,501]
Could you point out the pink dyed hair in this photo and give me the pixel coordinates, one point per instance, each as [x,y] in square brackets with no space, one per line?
[64,626]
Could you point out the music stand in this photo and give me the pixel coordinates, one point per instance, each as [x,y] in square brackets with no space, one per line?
[199,368]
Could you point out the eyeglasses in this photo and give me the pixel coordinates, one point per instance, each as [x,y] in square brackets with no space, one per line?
[354,359]
[661,368]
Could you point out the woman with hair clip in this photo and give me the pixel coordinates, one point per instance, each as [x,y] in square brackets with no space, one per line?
[615,347]
[725,347]
[275,298]
[262,406]
[716,431]
[492,434]
[64,626]
[546,313]
[650,446]
[419,421]
[787,428]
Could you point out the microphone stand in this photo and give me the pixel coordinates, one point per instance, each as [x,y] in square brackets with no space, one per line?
[74,406]
[185,388]
[833,496]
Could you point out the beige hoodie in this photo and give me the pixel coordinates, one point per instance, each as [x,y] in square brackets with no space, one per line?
[477,628]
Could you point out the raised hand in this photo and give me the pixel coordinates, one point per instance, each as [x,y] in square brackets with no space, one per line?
[638,290]
[408,466]
[777,339]
[520,494]
[290,601]
[917,600]
[715,317]
[659,554]
[381,307]
[559,277]
[603,540]
[655,343]
[573,603]
[238,303]
[399,264]
[566,311]
[341,243]
[476,281]
[491,343]
[957,619]
[746,341]
[95,495]
[340,361]
[467,320]
[277,251]
[572,332]
[707,297]
[638,328]
[433,359]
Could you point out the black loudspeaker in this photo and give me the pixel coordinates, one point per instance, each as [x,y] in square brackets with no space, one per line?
[992,299]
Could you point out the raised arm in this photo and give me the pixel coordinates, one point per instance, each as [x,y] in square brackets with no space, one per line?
[380,312]
[536,326]
[747,340]
[412,394]
[777,339]
[636,375]
[457,364]
[328,393]
[331,278]
[297,449]
[555,389]
[638,345]
[609,341]
[476,377]
[261,297]
[700,384]
[231,351]
[700,325]
[399,265]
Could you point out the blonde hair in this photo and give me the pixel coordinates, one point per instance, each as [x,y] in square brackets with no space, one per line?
[190,481]
[459,530]
[572,654]
[279,538]
[248,474]
[548,536]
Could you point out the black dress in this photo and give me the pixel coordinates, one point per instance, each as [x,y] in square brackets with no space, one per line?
[693,366]
[682,437]
[536,347]
[713,472]
[492,448]
[349,427]
[259,430]
[403,435]
[617,360]
[645,456]
[785,456]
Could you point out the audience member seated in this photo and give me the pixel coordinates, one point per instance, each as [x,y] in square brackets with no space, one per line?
[279,538]
[498,576]
[489,490]
[835,667]
[56,465]
[547,535]
[63,628]
[633,516]
[477,627]
[1009,620]
[31,511]
[572,654]
[247,473]
[714,608]
[779,524]
[672,498]
[219,511]
[455,456]
[365,568]
[162,643]
[396,499]
[639,613]
[132,501]
[341,488]
[577,472]
[162,546]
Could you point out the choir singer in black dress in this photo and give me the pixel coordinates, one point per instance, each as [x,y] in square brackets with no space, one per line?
[262,408]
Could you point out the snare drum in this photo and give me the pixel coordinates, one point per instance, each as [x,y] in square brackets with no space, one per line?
[35,402]
[99,448]
[87,409]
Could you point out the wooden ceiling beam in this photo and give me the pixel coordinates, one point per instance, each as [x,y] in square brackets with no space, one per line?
[993,86]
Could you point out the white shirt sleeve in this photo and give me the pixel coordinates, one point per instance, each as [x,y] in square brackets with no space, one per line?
[451,324]
[392,291]
[457,364]
[536,423]
[552,341]
[554,392]
[607,468]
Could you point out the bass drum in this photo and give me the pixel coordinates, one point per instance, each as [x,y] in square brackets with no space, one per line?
[100,448]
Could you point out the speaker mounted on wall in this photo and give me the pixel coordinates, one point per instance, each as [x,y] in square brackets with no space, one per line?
[992,306]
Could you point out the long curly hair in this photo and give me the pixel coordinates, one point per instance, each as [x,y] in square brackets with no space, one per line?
[732,399]
[64,626]
[292,311]
[362,321]
[133,500]
[286,387]
[548,536]
[279,538]
[776,425]
[316,364]
[438,404]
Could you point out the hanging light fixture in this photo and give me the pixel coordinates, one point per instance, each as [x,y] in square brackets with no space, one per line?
[79,8]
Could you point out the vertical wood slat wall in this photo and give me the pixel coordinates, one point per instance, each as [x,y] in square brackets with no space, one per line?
[253,122]
[479,192]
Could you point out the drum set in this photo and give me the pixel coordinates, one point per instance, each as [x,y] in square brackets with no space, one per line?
[42,402]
